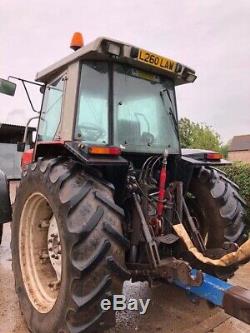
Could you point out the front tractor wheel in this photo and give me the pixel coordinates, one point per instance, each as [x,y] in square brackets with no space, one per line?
[67,249]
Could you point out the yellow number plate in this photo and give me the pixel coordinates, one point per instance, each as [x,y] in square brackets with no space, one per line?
[156,60]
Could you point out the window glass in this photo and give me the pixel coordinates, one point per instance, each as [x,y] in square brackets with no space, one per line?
[51,111]
[92,114]
[145,113]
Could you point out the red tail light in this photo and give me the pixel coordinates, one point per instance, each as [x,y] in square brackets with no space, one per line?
[213,156]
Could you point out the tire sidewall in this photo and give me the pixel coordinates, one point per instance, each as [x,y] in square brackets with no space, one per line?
[29,185]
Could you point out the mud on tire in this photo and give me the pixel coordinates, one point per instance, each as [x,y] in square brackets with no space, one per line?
[90,227]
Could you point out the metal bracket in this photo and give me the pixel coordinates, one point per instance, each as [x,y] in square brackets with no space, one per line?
[152,248]
[195,232]
[171,270]
[26,89]
[234,300]
[174,269]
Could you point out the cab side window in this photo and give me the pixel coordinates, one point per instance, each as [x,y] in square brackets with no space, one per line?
[51,110]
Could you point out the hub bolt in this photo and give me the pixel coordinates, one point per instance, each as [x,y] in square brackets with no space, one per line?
[44,224]
[44,256]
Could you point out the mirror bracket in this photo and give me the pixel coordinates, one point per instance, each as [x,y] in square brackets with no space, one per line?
[26,90]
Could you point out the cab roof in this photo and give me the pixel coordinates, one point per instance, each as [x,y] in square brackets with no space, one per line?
[108,49]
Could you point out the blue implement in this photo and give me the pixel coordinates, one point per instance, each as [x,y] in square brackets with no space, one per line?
[234,300]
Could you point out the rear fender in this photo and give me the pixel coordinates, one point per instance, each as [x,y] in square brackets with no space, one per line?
[192,160]
[5,205]
[199,157]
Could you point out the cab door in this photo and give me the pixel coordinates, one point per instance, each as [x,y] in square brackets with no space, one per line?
[50,118]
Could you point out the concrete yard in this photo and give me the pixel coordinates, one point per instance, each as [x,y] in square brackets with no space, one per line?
[170,309]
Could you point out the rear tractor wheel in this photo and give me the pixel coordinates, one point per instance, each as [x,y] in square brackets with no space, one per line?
[1,233]
[67,249]
[220,214]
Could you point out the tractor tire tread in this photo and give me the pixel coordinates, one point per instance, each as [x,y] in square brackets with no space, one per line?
[84,213]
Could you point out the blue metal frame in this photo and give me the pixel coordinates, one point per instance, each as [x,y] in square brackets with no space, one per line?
[212,288]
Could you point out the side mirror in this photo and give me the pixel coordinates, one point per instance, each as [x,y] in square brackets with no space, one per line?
[20,146]
[7,87]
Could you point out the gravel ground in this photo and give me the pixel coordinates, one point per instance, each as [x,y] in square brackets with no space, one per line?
[170,309]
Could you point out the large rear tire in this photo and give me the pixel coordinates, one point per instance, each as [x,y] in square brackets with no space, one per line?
[220,213]
[87,243]
[1,233]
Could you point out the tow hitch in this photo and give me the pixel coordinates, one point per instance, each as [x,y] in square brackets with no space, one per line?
[158,219]
[234,300]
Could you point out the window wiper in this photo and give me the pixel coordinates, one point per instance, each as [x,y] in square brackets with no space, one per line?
[170,110]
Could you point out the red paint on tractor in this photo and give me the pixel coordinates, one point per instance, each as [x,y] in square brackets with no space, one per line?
[27,158]
[162,186]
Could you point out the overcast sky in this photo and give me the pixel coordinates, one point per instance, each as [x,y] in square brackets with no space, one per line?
[211,36]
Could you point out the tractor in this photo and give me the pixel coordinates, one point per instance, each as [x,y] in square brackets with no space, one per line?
[108,195]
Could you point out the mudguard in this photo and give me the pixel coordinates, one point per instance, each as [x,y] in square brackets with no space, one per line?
[198,157]
[5,205]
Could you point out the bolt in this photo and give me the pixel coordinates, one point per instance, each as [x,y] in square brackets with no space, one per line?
[53,256]
[50,249]
[44,224]
[54,285]
[53,235]
[44,256]
[50,240]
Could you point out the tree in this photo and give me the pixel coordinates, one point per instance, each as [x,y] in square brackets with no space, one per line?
[224,150]
[197,135]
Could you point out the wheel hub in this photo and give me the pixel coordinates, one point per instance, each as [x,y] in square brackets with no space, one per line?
[40,252]
[54,247]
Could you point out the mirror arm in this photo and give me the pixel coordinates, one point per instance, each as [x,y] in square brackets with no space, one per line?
[27,93]
[26,90]
[27,81]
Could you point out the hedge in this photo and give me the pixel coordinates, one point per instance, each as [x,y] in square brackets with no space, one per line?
[239,173]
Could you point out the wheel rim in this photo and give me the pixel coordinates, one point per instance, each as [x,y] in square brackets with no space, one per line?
[40,252]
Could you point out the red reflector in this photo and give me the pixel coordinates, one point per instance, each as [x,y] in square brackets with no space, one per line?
[27,157]
[213,156]
[99,150]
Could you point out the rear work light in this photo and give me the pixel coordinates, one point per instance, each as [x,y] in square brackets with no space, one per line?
[99,150]
[213,156]
[114,49]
